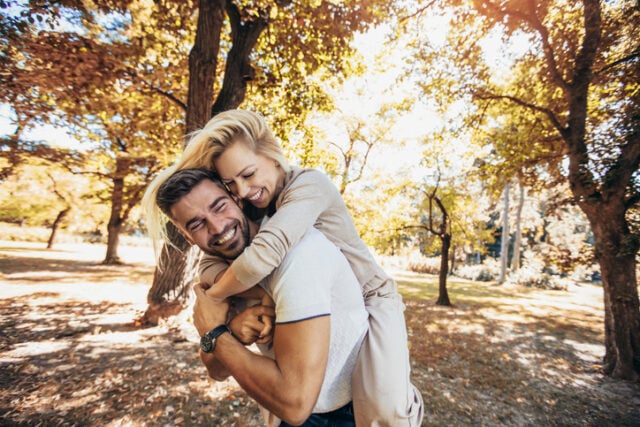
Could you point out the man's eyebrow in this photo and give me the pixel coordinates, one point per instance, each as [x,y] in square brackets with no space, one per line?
[211,206]
[218,201]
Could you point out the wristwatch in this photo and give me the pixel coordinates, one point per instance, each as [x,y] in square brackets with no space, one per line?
[208,340]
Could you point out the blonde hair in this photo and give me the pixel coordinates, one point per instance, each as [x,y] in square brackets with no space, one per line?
[204,147]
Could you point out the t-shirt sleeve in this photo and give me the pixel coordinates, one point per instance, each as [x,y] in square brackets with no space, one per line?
[302,202]
[301,286]
[210,266]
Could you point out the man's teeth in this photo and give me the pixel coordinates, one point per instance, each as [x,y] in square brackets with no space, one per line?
[226,237]
[255,196]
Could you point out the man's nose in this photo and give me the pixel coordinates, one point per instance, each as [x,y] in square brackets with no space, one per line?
[214,226]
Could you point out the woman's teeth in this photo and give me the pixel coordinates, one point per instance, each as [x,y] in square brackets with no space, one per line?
[255,196]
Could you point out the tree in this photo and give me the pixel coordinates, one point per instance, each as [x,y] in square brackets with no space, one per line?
[443,231]
[62,214]
[310,35]
[505,235]
[97,84]
[577,80]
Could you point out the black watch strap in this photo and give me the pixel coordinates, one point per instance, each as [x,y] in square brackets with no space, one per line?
[208,340]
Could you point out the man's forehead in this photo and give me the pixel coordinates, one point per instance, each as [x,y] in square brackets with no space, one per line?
[202,195]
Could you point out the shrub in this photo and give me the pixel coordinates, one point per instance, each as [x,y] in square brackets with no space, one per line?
[487,271]
[421,264]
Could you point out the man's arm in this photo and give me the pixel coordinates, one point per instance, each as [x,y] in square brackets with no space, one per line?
[287,386]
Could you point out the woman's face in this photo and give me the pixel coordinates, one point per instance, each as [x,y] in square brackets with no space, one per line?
[250,176]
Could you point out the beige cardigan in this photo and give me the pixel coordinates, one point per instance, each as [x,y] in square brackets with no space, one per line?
[308,199]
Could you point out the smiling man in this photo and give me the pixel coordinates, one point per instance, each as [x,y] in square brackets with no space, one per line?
[305,378]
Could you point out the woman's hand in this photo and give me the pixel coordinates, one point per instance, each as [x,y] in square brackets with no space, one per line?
[249,325]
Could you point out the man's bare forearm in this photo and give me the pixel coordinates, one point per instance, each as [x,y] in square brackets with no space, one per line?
[289,388]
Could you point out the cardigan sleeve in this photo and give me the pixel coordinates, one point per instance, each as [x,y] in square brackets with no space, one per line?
[300,204]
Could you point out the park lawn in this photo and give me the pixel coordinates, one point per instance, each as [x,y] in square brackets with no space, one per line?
[71,354]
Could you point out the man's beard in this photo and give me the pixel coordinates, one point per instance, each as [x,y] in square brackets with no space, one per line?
[234,251]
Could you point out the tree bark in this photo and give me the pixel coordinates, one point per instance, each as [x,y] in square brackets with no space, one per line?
[238,69]
[515,261]
[203,60]
[172,278]
[56,223]
[616,251]
[443,294]
[115,219]
[504,243]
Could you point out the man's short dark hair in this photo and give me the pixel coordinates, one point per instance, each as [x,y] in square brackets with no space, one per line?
[180,184]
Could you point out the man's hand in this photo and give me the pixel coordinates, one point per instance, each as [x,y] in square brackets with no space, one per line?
[247,326]
[208,312]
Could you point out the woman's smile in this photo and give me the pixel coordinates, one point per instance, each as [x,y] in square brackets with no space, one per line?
[249,175]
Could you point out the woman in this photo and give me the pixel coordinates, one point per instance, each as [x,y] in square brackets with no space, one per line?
[241,148]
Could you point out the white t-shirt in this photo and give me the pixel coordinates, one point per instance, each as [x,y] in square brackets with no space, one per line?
[314,280]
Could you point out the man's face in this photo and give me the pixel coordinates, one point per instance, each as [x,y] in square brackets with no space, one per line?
[211,219]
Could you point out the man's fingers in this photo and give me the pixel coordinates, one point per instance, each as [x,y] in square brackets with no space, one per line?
[263,310]
[199,289]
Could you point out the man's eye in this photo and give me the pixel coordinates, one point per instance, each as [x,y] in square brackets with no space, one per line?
[220,207]
[195,226]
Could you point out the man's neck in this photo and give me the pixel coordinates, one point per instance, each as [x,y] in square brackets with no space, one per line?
[253,229]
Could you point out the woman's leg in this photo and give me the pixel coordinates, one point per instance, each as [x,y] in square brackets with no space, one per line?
[382,391]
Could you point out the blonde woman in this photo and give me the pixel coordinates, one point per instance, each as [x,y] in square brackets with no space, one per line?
[241,148]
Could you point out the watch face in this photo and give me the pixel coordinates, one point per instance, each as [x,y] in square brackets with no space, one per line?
[205,344]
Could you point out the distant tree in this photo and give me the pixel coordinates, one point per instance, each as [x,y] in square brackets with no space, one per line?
[62,214]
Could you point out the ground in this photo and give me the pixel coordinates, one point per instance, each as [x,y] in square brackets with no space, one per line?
[71,354]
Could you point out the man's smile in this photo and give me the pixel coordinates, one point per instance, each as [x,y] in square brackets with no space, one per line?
[226,236]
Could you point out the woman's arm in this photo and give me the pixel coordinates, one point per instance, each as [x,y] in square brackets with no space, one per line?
[302,202]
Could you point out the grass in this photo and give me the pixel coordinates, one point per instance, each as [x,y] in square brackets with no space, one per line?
[69,354]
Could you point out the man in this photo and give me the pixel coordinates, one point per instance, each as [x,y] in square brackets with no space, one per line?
[320,315]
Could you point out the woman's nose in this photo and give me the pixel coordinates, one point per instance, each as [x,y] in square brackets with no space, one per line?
[243,189]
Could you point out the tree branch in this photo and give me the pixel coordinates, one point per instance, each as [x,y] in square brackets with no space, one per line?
[564,131]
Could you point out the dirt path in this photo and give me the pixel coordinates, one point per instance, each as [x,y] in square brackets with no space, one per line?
[69,354]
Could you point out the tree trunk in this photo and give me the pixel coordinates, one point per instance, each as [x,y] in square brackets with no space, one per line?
[504,243]
[616,251]
[453,261]
[54,227]
[443,295]
[113,239]
[203,60]
[515,261]
[172,279]
[115,219]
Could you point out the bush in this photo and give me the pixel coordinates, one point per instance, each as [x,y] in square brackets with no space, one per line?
[487,271]
[421,264]
[537,279]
